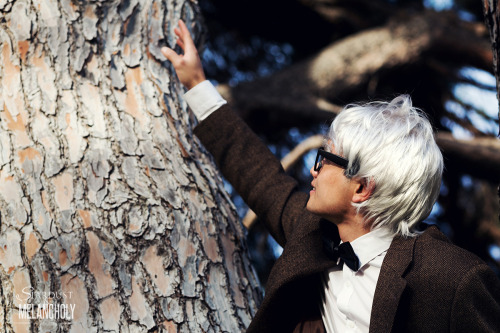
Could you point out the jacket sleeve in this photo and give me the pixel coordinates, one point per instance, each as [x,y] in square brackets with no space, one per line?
[255,173]
[476,307]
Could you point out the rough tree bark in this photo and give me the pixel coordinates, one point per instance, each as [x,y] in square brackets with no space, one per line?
[109,207]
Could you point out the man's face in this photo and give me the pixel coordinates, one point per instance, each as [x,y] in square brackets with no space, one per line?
[331,196]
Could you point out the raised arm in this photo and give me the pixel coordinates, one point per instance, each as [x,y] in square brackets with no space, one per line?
[243,158]
[188,65]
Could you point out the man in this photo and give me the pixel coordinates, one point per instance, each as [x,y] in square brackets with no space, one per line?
[353,258]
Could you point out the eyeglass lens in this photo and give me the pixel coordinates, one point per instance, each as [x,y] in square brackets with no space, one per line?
[318,164]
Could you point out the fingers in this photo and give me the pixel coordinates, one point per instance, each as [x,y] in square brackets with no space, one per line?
[184,40]
[182,33]
[187,64]
[180,43]
[185,37]
[170,54]
[178,33]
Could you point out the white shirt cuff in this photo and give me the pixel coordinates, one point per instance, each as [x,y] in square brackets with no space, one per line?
[204,99]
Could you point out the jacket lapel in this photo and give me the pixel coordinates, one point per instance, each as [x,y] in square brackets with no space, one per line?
[391,284]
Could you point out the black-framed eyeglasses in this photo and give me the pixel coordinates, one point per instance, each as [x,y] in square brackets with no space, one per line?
[322,154]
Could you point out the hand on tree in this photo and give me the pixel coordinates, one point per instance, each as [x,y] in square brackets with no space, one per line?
[188,65]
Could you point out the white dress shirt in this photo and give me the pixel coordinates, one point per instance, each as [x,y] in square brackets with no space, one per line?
[348,296]
[203,99]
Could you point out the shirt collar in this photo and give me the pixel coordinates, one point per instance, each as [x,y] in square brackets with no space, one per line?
[371,245]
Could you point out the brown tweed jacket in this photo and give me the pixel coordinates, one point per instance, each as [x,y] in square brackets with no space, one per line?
[426,284]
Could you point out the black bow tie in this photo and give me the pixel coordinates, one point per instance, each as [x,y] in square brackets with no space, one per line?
[345,252]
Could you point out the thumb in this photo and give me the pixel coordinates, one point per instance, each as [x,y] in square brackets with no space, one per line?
[170,54]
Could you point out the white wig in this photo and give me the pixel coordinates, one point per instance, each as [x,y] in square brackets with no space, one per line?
[391,147]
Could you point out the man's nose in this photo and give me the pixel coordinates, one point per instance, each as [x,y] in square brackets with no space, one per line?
[313,172]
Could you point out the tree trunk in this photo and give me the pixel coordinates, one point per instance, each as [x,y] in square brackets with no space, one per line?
[112,215]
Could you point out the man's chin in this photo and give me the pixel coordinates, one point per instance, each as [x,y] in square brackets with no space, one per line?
[310,207]
[314,210]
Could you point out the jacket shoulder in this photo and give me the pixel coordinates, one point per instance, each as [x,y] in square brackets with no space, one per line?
[444,287]
[434,250]
[440,262]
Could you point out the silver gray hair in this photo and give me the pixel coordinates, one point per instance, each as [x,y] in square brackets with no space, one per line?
[391,147]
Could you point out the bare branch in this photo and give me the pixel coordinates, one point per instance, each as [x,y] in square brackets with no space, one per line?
[479,157]
[342,70]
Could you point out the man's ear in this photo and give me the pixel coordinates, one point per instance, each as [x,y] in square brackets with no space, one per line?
[363,190]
